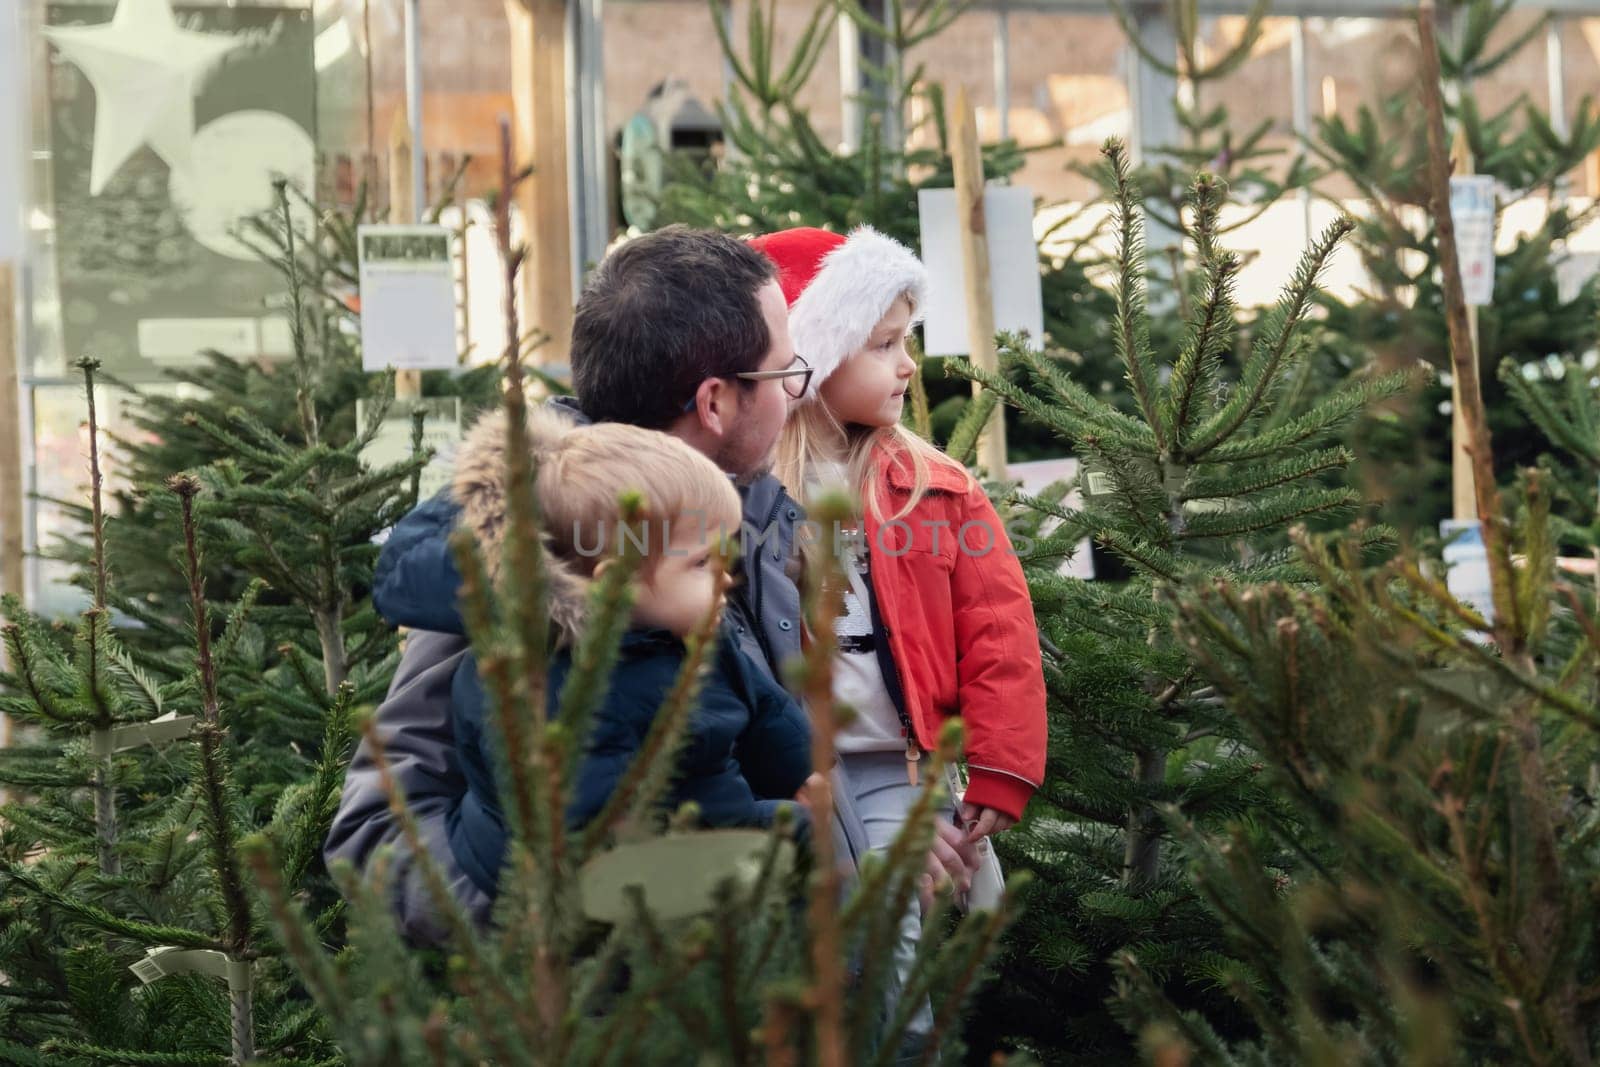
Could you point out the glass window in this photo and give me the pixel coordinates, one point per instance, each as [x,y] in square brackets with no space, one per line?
[60,477]
[962,54]
[1260,90]
[648,42]
[1068,82]
[1580,57]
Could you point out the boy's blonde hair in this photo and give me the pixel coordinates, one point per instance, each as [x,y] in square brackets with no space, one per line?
[582,471]
[581,479]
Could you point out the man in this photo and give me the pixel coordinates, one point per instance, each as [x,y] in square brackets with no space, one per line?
[682,331]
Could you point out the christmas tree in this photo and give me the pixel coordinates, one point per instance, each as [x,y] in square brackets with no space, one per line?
[279,448]
[119,864]
[1449,915]
[1441,754]
[114,847]
[1203,479]
[1254,173]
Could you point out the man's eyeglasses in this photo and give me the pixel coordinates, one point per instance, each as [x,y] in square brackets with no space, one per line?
[796,379]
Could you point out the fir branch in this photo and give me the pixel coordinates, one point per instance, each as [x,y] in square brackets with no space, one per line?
[1323,419]
[463,936]
[596,654]
[121,1057]
[1254,480]
[96,486]
[652,769]
[222,831]
[1273,514]
[1149,558]
[107,922]
[963,443]
[1558,425]
[321,800]
[1072,423]
[1206,340]
[299,938]
[1274,345]
[21,646]
[1132,330]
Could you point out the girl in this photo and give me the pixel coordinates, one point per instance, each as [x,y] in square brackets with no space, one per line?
[937,619]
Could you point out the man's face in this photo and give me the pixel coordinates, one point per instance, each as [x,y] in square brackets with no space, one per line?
[763,406]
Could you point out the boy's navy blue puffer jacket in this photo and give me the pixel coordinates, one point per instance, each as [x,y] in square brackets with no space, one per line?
[749,744]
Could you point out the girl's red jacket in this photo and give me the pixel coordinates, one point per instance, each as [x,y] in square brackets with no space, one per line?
[955,610]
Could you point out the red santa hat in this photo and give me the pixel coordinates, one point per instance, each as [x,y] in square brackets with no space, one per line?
[839,288]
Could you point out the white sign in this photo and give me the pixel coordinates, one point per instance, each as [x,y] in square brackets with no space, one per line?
[1013,267]
[441,431]
[1472,210]
[1037,476]
[408,298]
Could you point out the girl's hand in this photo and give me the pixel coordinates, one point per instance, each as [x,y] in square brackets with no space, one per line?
[952,859]
[983,822]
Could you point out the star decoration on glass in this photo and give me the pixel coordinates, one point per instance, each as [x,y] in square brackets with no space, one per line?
[146,71]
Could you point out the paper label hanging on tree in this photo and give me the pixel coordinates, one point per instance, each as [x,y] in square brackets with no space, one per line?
[441,431]
[1013,267]
[164,960]
[157,731]
[408,298]
[1472,211]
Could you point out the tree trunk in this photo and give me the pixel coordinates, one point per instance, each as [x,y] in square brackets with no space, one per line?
[105,820]
[1141,860]
[335,665]
[242,1001]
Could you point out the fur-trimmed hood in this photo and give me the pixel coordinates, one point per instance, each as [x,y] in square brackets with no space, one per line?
[416,583]
[479,489]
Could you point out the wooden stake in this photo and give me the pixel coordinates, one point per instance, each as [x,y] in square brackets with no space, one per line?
[403,210]
[967,161]
[1462,359]
[539,107]
[1464,503]
[11,515]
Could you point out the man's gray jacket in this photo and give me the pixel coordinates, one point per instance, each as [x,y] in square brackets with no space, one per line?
[414,722]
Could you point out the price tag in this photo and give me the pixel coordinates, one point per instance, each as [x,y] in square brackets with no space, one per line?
[158,731]
[1472,210]
[408,298]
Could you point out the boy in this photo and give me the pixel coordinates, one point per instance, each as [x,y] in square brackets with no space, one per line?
[749,744]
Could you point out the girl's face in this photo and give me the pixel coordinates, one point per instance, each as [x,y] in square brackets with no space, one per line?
[870,388]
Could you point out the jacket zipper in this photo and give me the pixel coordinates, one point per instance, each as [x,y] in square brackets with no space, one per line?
[753,576]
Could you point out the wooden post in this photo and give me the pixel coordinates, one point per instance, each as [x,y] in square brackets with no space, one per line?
[464,297]
[967,162]
[402,209]
[1476,423]
[539,107]
[1463,503]
[11,514]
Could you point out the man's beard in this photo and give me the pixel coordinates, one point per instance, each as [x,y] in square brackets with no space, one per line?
[750,477]
[733,458]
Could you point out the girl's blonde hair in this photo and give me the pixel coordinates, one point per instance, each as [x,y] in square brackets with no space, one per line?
[814,437]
